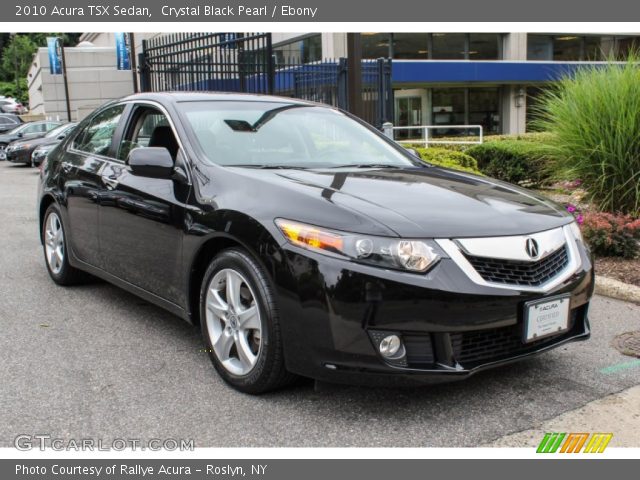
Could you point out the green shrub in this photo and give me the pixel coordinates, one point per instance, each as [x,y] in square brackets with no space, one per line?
[611,235]
[449,159]
[594,118]
[514,161]
[535,137]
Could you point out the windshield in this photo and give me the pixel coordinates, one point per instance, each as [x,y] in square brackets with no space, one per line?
[18,129]
[269,134]
[58,131]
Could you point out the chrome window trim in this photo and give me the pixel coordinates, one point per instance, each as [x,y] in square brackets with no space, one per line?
[138,102]
[453,250]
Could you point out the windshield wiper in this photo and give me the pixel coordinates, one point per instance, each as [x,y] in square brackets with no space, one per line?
[370,165]
[268,167]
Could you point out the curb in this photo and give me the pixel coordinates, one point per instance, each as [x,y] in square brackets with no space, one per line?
[609,287]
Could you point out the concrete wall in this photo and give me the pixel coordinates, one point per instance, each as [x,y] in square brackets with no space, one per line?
[92,78]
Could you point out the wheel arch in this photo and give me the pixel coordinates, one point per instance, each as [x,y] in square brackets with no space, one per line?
[261,245]
[46,201]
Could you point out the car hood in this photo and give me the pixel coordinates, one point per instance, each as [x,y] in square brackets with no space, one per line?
[424,202]
[8,138]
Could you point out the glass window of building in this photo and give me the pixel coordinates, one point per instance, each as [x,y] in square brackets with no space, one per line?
[412,46]
[626,45]
[567,48]
[484,46]
[375,45]
[539,47]
[305,50]
[484,109]
[449,46]
[448,108]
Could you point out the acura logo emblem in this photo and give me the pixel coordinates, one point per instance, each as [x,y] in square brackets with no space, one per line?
[531,246]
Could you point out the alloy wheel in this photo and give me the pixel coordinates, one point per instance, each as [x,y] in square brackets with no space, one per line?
[233,322]
[3,152]
[54,243]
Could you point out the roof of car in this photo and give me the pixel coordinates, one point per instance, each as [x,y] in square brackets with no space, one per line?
[175,97]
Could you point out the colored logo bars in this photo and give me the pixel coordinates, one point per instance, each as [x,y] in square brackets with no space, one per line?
[573,442]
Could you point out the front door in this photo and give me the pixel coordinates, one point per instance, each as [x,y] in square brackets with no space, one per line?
[408,113]
[142,219]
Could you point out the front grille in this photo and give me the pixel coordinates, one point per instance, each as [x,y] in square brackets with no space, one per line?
[495,343]
[516,272]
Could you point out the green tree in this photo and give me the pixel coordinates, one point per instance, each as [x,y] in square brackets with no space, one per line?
[16,56]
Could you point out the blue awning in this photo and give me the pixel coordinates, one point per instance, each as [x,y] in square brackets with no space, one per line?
[433,71]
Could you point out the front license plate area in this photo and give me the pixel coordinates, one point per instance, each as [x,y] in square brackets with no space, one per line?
[546,317]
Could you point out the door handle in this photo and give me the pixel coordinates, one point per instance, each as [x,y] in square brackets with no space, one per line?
[111,183]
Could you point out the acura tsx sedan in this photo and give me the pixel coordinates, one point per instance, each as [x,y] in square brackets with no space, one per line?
[304,242]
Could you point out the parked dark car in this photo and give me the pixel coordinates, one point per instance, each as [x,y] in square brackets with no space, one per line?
[21,151]
[9,121]
[25,131]
[305,242]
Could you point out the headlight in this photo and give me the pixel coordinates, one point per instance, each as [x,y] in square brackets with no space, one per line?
[412,255]
[575,230]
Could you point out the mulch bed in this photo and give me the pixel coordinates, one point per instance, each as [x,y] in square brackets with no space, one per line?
[627,271]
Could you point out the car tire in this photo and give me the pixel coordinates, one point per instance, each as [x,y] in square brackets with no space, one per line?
[244,341]
[54,245]
[3,151]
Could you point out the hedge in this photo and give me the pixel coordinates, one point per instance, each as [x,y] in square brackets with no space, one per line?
[515,161]
[449,159]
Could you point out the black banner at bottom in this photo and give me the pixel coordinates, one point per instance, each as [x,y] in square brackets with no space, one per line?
[198,469]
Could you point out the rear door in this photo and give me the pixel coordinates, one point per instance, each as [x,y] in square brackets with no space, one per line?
[141,219]
[82,163]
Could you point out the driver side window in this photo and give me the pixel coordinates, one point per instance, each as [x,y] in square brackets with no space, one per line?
[150,128]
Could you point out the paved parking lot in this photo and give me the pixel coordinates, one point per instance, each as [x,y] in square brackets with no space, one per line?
[95,361]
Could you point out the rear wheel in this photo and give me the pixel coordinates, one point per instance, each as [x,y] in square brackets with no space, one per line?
[240,324]
[55,250]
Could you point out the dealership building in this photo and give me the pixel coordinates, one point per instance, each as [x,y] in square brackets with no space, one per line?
[438,79]
[487,79]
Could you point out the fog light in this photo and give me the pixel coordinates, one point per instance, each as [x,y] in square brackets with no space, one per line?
[389,346]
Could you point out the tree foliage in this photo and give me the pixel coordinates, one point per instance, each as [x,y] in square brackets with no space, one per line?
[16,55]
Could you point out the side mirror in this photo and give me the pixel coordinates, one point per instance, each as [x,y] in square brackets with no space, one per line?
[153,162]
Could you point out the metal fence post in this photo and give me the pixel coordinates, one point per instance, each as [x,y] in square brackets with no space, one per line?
[389,100]
[342,74]
[271,71]
[144,69]
[381,104]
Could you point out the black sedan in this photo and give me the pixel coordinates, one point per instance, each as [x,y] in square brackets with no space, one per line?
[304,242]
[24,132]
[21,151]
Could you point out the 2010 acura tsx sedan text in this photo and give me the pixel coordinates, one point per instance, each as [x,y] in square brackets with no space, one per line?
[305,242]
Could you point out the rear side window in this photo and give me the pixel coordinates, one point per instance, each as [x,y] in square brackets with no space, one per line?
[34,128]
[96,136]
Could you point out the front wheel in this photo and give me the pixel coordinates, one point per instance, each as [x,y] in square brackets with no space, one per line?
[3,151]
[240,324]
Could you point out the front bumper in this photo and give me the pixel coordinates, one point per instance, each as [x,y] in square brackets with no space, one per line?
[334,310]
[19,156]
